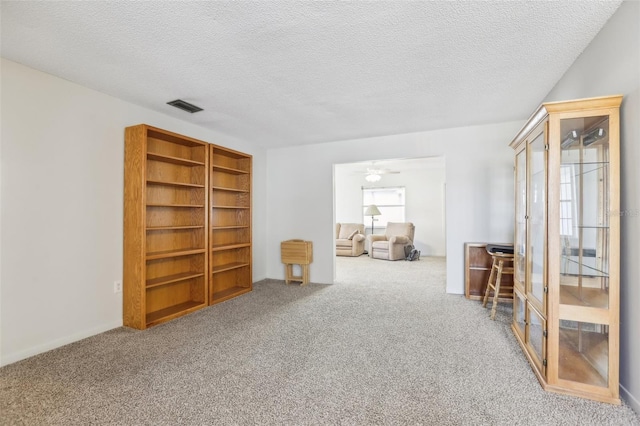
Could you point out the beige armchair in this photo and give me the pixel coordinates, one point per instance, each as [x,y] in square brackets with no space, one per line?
[390,246]
[349,239]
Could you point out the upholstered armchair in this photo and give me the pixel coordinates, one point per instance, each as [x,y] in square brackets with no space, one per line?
[349,239]
[390,246]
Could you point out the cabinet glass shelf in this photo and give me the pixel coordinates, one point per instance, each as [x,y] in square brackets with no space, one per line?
[586,268]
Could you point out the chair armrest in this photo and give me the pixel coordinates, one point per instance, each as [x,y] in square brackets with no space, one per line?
[358,237]
[373,238]
[399,239]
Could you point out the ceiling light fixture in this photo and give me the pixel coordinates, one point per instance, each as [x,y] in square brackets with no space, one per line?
[593,136]
[372,177]
[587,138]
[571,138]
[185,106]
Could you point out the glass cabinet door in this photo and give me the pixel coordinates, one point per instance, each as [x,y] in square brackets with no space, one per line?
[521,221]
[536,338]
[583,349]
[584,353]
[537,223]
[519,313]
[584,219]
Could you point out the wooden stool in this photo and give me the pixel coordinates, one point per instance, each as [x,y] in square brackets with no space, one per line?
[296,252]
[498,268]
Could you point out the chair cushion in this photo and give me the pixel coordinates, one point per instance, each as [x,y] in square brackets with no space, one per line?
[344,242]
[398,229]
[381,245]
[347,229]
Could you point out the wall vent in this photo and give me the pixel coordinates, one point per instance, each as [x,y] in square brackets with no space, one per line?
[185,106]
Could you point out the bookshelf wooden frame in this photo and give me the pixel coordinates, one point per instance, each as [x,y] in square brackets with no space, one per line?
[230,247]
[187,225]
[165,226]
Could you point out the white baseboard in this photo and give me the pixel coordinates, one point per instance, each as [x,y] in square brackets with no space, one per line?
[54,344]
[630,399]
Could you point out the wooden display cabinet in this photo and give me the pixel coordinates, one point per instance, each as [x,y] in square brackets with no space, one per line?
[567,242]
[230,218]
[165,226]
[477,267]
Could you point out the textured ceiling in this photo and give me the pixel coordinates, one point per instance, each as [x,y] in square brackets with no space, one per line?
[286,73]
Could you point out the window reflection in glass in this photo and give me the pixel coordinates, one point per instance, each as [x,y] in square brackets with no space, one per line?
[584,221]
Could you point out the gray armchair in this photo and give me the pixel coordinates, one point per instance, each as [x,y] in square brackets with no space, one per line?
[390,246]
[349,239]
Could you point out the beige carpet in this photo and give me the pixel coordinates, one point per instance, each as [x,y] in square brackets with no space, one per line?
[385,345]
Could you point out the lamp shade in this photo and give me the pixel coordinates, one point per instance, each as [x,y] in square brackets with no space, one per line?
[372,210]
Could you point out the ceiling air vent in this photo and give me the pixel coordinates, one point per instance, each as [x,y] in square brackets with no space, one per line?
[185,106]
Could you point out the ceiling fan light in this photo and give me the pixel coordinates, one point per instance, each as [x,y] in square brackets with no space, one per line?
[372,177]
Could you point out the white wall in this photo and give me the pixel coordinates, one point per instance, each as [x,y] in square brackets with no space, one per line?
[61,208]
[347,195]
[479,193]
[424,205]
[611,65]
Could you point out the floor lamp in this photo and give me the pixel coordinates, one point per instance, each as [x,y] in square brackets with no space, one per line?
[372,211]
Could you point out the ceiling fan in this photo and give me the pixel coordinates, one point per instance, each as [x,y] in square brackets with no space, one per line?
[374,174]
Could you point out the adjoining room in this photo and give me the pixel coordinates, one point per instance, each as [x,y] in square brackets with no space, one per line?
[401,191]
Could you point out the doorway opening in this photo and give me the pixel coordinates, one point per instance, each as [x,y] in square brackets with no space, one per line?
[402,190]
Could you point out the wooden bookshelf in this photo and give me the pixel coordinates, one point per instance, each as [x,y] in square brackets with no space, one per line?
[187,225]
[165,226]
[230,218]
